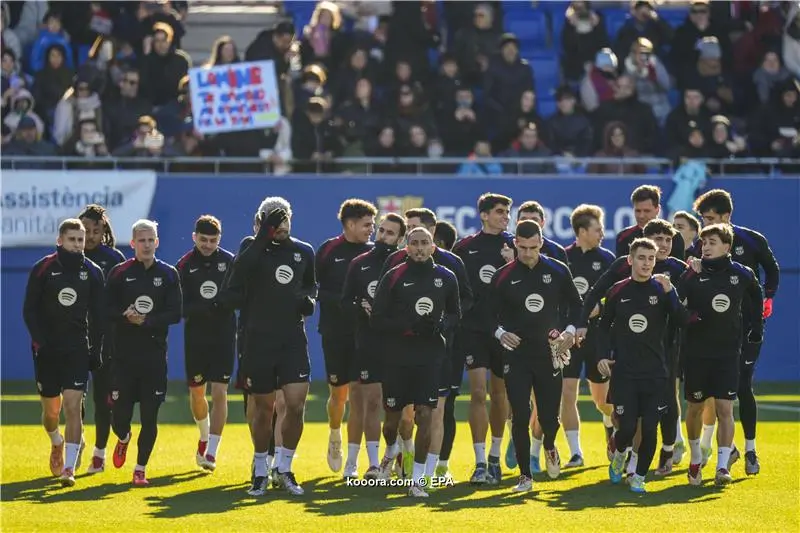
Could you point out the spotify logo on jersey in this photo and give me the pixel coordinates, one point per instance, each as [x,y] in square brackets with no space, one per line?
[424,306]
[581,284]
[637,323]
[371,288]
[720,303]
[143,304]
[534,303]
[486,272]
[284,274]
[208,290]
[67,296]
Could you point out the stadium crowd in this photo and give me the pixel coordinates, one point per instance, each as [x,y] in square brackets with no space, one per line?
[106,79]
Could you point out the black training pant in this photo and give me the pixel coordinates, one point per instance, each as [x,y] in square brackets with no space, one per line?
[634,399]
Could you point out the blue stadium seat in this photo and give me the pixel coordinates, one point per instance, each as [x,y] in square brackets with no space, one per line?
[674,17]
[615,19]
[530,30]
[547,74]
[547,107]
[557,22]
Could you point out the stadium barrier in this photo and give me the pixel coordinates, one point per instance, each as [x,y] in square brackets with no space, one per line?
[769,205]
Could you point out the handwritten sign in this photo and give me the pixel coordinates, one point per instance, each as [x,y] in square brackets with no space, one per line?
[238,97]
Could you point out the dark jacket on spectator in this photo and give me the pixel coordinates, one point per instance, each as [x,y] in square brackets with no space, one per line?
[638,119]
[263,48]
[766,125]
[683,54]
[459,136]
[518,152]
[680,123]
[121,117]
[511,124]
[656,30]
[50,85]
[578,48]
[160,76]
[409,38]
[569,133]
[308,138]
[504,83]
[471,42]
[357,121]
[609,150]
[21,148]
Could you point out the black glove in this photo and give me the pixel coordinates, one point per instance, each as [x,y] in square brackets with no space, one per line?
[305,306]
[427,326]
[269,223]
[95,358]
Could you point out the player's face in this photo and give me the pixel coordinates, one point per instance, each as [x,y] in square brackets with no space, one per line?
[528,249]
[531,216]
[362,228]
[420,246]
[712,217]
[642,263]
[414,222]
[144,244]
[664,243]
[283,231]
[94,233]
[207,244]
[388,233]
[593,235]
[713,247]
[497,219]
[688,234]
[644,212]
[73,241]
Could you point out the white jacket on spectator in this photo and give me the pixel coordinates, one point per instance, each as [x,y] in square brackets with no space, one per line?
[30,20]
[71,110]
[13,117]
[652,85]
[791,43]
[10,37]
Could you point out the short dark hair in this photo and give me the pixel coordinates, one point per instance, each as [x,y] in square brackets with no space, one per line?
[356,208]
[446,233]
[417,230]
[208,225]
[532,206]
[716,200]
[646,192]
[689,218]
[723,231]
[583,215]
[527,229]
[425,215]
[658,226]
[68,225]
[97,213]
[397,219]
[487,201]
[642,242]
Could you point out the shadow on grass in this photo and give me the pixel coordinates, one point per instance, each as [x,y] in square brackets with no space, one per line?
[210,500]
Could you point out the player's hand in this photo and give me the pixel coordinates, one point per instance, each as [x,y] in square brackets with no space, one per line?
[695,263]
[580,333]
[507,252]
[665,282]
[136,319]
[604,367]
[426,326]
[767,308]
[129,311]
[565,341]
[595,311]
[367,307]
[269,223]
[509,341]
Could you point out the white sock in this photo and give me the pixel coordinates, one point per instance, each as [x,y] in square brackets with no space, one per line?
[443,463]
[494,450]
[204,426]
[286,461]
[213,445]
[270,459]
[352,453]
[392,451]
[419,472]
[278,456]
[669,448]
[633,462]
[697,454]
[55,437]
[574,441]
[99,453]
[260,462]
[72,455]
[430,464]
[408,445]
[138,468]
[607,421]
[536,447]
[749,445]
[679,434]
[127,439]
[723,454]
[336,434]
[480,452]
[372,452]
[708,433]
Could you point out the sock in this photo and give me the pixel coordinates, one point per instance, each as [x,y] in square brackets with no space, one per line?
[536,447]
[723,454]
[419,472]
[443,463]
[55,437]
[574,441]
[260,462]
[679,434]
[669,448]
[270,460]
[204,426]
[213,445]
[336,434]
[72,455]
[352,453]
[694,448]
[286,461]
[372,452]
[633,462]
[494,450]
[408,445]
[127,439]
[708,433]
[430,464]
[278,457]
[138,468]
[607,422]
[749,445]
[480,452]
[99,453]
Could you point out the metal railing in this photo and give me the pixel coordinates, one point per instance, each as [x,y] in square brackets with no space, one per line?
[510,167]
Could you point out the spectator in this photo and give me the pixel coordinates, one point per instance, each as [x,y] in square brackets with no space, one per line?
[626,108]
[147,142]
[681,120]
[356,68]
[89,142]
[643,22]
[385,145]
[22,104]
[311,83]
[322,41]
[715,85]
[373,41]
[171,116]
[506,79]
[163,68]
[51,34]
[9,36]
[693,147]
[26,142]
[30,21]
[583,36]
[84,22]
[314,139]
[791,43]
[684,52]
[223,52]
[774,130]
[12,79]
[160,12]
[52,82]
[615,144]
[404,75]
[569,132]
[599,82]
[769,75]
[652,79]
[448,83]
[410,111]
[725,144]
[459,125]
[474,45]
[359,117]
[409,37]
[79,103]
[766,34]
[528,145]
[273,45]
[476,167]
[364,14]
[122,113]
[416,144]
[514,122]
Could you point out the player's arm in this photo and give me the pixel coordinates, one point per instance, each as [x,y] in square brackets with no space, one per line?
[601,287]
[464,286]
[306,297]
[97,316]
[171,311]
[115,298]
[381,318]
[30,307]
[606,322]
[678,315]
[350,303]
[755,296]
[452,308]
[571,300]
[324,294]
[772,272]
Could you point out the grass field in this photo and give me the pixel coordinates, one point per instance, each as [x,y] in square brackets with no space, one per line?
[183,498]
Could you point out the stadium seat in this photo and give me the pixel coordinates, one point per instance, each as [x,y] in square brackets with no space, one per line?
[557,22]
[615,19]
[547,106]
[530,30]
[547,75]
[674,17]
